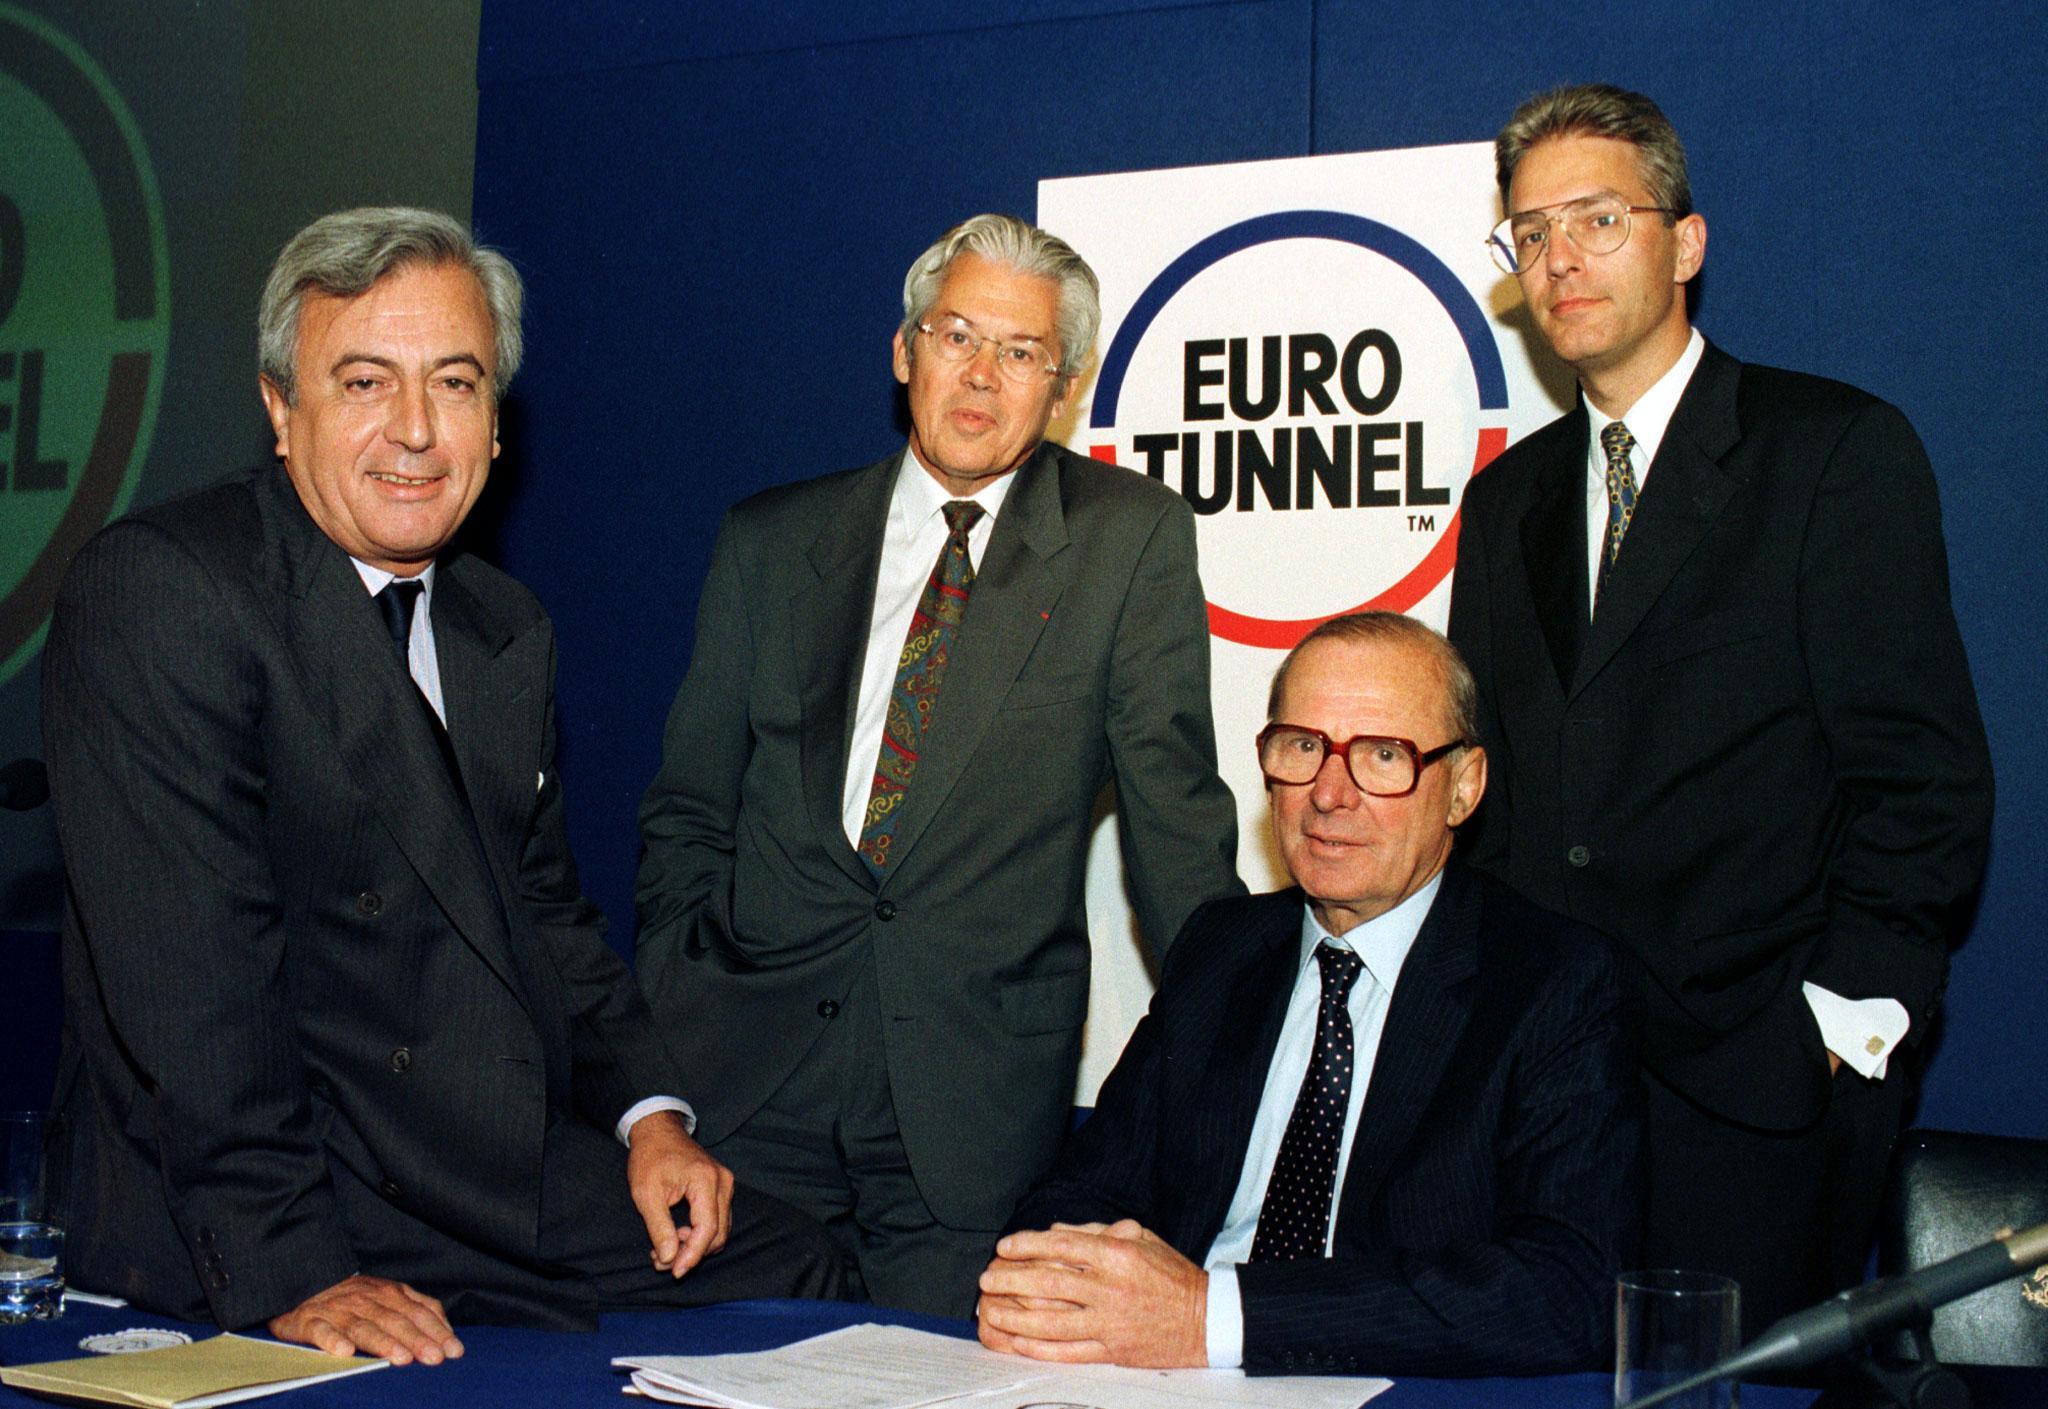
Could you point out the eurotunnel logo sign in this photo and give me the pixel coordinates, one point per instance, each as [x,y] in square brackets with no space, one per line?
[1310,352]
[84,316]
[1314,417]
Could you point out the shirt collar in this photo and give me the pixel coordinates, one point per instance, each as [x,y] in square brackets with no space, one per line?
[919,498]
[1383,941]
[376,580]
[1650,417]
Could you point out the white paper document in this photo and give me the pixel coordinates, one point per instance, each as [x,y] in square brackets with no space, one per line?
[893,1367]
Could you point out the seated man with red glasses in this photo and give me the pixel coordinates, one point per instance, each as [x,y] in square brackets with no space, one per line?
[1385,1121]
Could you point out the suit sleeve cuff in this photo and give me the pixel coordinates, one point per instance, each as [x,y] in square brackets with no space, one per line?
[1225,1319]
[648,1107]
[1862,1032]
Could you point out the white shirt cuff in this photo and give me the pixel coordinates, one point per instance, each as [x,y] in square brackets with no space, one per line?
[1225,1319]
[648,1107]
[1861,1031]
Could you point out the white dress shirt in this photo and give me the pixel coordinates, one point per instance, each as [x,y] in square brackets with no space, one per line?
[419,647]
[1382,944]
[911,539]
[425,666]
[1647,421]
[1862,1032]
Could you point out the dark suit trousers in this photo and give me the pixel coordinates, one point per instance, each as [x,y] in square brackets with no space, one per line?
[828,1142]
[1788,1216]
[594,1248]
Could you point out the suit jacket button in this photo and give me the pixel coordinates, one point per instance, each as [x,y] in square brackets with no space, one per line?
[827,1008]
[401,1060]
[218,1280]
[370,903]
[1578,856]
[885,909]
[389,1189]
[207,1238]
[213,1262]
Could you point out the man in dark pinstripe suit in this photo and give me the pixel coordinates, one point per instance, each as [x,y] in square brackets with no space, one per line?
[345,1053]
[1386,1121]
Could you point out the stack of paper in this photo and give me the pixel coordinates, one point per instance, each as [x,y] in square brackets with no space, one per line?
[893,1367]
[218,1371]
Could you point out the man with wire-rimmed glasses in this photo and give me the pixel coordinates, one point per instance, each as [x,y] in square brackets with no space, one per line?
[1730,717]
[862,921]
[1383,1122]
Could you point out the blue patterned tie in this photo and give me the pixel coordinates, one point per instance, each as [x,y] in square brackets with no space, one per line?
[1294,1221]
[1621,498]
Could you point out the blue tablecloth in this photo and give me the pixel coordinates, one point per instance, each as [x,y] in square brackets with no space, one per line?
[504,1366]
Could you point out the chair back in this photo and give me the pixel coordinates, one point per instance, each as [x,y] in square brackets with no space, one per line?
[1950,1192]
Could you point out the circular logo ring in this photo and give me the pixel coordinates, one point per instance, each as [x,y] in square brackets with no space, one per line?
[1431,272]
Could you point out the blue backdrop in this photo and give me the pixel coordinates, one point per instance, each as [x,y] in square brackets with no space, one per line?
[715,207]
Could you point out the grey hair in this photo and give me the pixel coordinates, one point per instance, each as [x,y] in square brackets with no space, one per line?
[1600,110]
[343,254]
[1024,249]
[1461,691]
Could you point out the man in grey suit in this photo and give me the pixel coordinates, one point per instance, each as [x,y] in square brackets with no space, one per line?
[344,1049]
[861,894]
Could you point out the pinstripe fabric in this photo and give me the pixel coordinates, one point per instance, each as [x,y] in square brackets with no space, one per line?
[316,1019]
[1492,1191]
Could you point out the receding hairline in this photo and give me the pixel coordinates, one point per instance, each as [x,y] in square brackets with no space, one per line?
[1418,647]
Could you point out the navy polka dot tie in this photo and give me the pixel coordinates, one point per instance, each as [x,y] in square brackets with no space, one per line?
[1294,1222]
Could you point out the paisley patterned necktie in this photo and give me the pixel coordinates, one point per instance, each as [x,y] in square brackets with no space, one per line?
[919,671]
[1621,498]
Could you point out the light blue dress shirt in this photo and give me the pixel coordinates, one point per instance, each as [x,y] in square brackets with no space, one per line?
[1382,944]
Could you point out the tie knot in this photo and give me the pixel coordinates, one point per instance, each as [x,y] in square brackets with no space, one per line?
[1341,968]
[396,601]
[1617,442]
[962,515]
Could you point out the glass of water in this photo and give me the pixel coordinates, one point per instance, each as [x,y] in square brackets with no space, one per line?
[1671,1325]
[31,1247]
[31,1272]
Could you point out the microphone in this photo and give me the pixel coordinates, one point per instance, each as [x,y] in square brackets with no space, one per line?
[1860,1315]
[24,783]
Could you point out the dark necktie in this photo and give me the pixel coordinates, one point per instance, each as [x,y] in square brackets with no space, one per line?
[396,601]
[913,699]
[1621,498]
[1294,1221]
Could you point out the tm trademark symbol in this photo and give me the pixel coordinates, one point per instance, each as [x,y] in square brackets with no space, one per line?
[1422,523]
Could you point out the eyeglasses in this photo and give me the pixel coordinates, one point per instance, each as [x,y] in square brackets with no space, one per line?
[1022,360]
[1596,224]
[1381,766]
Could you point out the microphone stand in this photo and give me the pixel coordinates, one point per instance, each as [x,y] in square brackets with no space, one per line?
[1848,1321]
[1920,1383]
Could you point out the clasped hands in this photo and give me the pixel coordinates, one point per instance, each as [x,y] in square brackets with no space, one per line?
[1094,1292]
[664,1167]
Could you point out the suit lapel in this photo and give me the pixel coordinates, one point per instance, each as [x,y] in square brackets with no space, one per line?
[1425,1022]
[830,616]
[1684,493]
[1554,547]
[1234,1076]
[1020,580]
[381,734]
[484,694]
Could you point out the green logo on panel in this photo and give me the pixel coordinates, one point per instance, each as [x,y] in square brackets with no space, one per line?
[84,316]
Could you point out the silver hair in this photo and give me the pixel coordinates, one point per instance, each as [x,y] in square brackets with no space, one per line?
[1600,110]
[1461,691]
[1024,249]
[342,255]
